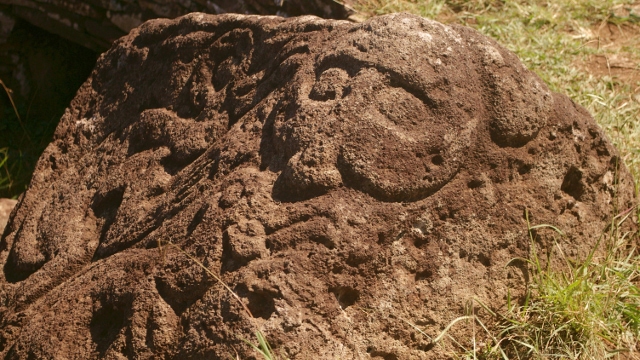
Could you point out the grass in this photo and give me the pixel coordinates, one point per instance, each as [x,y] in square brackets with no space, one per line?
[262,348]
[6,178]
[5,175]
[22,143]
[588,310]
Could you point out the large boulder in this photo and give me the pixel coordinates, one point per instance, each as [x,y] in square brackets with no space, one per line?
[340,178]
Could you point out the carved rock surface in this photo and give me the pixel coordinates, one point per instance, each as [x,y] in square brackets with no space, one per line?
[49,47]
[339,177]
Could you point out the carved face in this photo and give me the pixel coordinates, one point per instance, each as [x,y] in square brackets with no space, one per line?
[296,157]
[401,137]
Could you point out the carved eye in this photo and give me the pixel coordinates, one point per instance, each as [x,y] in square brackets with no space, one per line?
[398,148]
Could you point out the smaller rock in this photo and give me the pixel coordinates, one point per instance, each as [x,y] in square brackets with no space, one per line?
[6,205]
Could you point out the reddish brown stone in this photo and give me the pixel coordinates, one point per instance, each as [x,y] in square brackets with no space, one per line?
[339,177]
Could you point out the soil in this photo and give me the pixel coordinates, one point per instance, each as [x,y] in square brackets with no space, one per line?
[343,179]
[615,59]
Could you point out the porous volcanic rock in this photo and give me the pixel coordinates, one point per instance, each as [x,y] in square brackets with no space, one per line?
[341,178]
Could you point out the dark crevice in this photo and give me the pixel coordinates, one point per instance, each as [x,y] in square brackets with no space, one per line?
[174,163]
[323,240]
[197,219]
[437,160]
[524,169]
[384,355]
[572,183]
[345,295]
[475,183]
[424,275]
[229,262]
[105,207]
[285,193]
[484,260]
[261,303]
[107,322]
[15,272]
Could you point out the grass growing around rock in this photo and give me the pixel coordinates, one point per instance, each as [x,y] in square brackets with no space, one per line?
[590,309]
[5,175]
[6,178]
[22,143]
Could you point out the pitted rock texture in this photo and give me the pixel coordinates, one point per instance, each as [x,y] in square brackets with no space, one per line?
[48,49]
[339,177]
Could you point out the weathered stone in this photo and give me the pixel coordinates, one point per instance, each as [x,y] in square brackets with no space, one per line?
[38,62]
[339,177]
